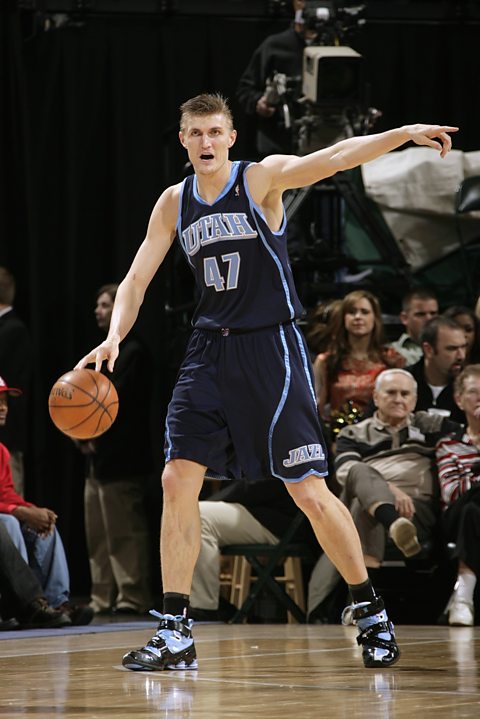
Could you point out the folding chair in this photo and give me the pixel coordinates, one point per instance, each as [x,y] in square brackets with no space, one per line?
[265,572]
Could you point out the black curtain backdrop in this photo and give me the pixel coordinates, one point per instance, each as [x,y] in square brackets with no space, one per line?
[88,139]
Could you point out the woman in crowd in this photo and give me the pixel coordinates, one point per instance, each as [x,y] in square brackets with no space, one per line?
[458,462]
[345,374]
[467,319]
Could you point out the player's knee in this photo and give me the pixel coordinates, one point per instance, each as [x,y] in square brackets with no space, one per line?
[178,483]
[314,507]
[314,500]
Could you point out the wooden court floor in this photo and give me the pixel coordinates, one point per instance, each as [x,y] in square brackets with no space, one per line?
[249,671]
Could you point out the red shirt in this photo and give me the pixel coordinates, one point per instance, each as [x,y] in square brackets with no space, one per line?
[9,499]
[355,379]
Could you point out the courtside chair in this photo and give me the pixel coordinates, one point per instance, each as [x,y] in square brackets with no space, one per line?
[264,559]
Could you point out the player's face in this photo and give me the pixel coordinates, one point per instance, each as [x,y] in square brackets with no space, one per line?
[103,311]
[417,316]
[360,319]
[469,398]
[208,140]
[3,408]
[448,357]
[395,398]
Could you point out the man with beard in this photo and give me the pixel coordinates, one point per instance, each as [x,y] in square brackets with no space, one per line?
[444,347]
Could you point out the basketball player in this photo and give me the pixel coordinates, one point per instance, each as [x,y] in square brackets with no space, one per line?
[246,382]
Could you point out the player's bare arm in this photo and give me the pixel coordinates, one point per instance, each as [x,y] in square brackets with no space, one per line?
[131,291]
[277,173]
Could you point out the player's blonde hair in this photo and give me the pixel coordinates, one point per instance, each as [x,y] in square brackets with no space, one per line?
[203,105]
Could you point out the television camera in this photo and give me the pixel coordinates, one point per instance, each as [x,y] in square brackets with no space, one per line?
[328,101]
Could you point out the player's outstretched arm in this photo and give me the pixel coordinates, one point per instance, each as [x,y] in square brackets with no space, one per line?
[290,171]
[131,291]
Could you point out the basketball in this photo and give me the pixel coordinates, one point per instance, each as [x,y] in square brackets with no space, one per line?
[83,404]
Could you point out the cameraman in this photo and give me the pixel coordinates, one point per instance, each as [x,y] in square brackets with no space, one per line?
[279,53]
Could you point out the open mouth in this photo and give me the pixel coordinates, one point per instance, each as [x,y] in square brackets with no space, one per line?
[206,156]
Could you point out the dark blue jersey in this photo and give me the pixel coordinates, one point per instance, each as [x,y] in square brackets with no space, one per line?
[241,267]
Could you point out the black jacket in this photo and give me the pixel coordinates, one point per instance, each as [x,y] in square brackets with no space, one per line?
[279,53]
[425,401]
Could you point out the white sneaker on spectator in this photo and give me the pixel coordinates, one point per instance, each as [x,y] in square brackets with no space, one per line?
[460,613]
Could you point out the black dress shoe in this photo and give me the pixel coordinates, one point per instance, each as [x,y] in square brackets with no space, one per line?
[7,625]
[38,615]
[80,614]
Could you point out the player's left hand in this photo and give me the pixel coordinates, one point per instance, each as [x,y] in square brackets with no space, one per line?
[425,134]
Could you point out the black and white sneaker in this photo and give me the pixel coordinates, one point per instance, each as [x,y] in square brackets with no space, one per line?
[376,636]
[171,647]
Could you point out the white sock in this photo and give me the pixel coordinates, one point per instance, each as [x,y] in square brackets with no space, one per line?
[465,586]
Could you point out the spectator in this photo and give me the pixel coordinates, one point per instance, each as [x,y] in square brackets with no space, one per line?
[385,467]
[458,461]
[16,364]
[418,307]
[34,533]
[467,319]
[319,326]
[119,463]
[355,356]
[444,348]
[241,513]
[22,602]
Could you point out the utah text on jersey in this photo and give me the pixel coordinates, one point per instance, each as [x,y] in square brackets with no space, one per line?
[303,454]
[217,227]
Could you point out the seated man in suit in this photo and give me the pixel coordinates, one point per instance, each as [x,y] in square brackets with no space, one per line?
[384,465]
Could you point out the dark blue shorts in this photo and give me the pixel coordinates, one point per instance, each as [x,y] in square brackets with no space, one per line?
[244,406]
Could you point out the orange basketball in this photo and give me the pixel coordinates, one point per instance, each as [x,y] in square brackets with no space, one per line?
[83,403]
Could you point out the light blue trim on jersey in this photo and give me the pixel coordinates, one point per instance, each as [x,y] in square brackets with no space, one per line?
[283,226]
[306,366]
[310,473]
[255,208]
[283,399]
[227,188]
[179,224]
[168,441]
[281,404]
